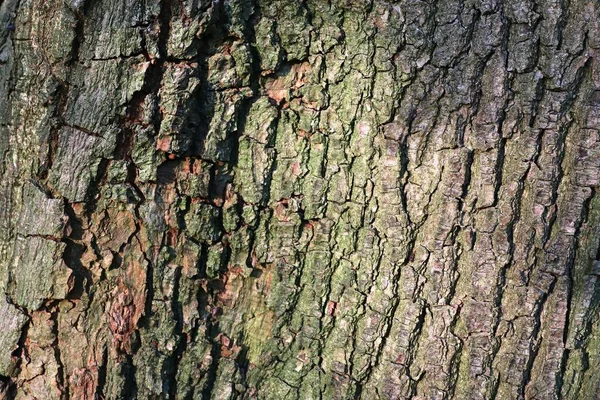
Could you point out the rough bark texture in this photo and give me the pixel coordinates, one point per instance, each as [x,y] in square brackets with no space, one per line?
[280,199]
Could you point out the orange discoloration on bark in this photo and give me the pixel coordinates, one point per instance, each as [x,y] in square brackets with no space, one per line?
[331,307]
[164,143]
[121,315]
[83,384]
[127,300]
[278,88]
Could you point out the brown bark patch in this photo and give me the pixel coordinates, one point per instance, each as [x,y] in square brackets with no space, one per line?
[279,88]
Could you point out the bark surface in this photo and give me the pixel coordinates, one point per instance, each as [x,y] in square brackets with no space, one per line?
[281,199]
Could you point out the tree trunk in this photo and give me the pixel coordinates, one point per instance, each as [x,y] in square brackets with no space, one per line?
[285,199]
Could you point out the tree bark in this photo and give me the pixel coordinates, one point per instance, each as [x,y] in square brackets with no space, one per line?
[285,199]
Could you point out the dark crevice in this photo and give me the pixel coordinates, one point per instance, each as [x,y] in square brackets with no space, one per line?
[215,354]
[102,372]
[176,308]
[92,194]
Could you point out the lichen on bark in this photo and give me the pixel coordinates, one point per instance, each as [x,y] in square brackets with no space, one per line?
[281,199]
